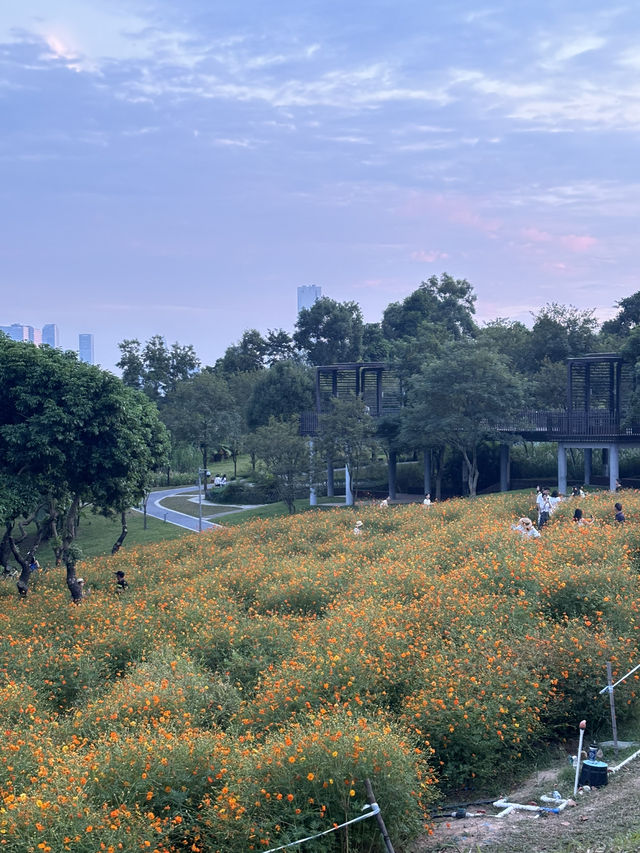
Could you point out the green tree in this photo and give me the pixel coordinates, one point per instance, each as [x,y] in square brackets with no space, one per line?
[460,399]
[279,346]
[156,368]
[347,435]
[627,318]
[285,389]
[244,357]
[71,435]
[284,454]
[445,303]
[330,332]
[560,332]
[201,413]
[512,340]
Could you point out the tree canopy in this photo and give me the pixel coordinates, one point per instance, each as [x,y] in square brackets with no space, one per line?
[70,434]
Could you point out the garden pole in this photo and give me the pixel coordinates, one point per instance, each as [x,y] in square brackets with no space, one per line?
[381,826]
[583,726]
[612,704]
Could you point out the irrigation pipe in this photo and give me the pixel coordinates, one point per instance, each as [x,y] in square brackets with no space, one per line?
[626,761]
[508,807]
[609,688]
[375,809]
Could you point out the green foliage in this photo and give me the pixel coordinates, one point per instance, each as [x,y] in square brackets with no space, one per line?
[330,332]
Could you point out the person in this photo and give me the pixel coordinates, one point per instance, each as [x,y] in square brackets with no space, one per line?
[358,528]
[526,528]
[619,516]
[540,497]
[618,485]
[427,500]
[223,480]
[555,499]
[121,583]
[546,509]
[575,492]
[578,517]
[385,502]
[217,480]
[34,565]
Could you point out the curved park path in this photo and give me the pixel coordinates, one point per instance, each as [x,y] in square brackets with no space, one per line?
[156,510]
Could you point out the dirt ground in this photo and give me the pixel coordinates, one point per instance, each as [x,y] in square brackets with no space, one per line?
[598,817]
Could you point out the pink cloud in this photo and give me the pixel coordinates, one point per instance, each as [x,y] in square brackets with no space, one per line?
[457,209]
[573,242]
[428,257]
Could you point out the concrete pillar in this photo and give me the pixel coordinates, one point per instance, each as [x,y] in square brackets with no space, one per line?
[348,494]
[393,459]
[330,491]
[504,467]
[427,472]
[562,469]
[614,471]
[588,458]
[313,497]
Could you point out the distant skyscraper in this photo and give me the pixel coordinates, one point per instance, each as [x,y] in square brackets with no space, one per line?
[18,332]
[50,335]
[307,295]
[85,348]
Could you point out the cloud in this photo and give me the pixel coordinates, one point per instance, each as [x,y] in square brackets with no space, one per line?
[428,257]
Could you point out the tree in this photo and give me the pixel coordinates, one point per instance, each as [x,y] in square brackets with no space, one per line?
[330,332]
[460,399]
[200,412]
[70,435]
[444,302]
[627,318]
[279,346]
[347,434]
[156,368]
[511,339]
[244,357]
[284,454]
[560,332]
[284,390]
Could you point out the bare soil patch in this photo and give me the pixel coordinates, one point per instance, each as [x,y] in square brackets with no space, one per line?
[591,826]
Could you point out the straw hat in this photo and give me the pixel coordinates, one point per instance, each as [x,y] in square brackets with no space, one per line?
[526,522]
[358,524]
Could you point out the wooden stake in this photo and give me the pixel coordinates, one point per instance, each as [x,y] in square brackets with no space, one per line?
[614,727]
[381,826]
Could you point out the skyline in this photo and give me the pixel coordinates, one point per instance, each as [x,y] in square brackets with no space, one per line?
[182,170]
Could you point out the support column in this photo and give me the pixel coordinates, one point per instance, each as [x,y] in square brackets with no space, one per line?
[393,459]
[588,458]
[348,494]
[427,472]
[330,491]
[504,467]
[613,466]
[313,497]
[562,469]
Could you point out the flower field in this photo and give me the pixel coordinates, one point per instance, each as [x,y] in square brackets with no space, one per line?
[239,693]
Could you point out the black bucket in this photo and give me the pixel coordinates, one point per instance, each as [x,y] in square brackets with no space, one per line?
[594,773]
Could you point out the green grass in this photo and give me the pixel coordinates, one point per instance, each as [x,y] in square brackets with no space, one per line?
[181,503]
[96,534]
[275,510]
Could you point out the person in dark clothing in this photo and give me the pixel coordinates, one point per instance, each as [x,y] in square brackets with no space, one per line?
[121,582]
[619,513]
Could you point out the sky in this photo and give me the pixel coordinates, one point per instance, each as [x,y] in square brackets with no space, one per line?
[180,168]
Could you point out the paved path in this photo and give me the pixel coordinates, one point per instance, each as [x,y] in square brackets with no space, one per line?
[171,516]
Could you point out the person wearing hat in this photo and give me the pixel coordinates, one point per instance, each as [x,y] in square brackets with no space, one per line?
[358,528]
[525,526]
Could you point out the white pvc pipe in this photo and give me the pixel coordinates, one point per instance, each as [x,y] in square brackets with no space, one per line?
[578,758]
[622,763]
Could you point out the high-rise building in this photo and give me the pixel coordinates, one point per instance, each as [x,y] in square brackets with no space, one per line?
[307,295]
[18,332]
[85,348]
[50,335]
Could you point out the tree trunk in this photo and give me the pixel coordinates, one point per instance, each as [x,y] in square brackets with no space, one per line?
[473,473]
[69,553]
[25,571]
[117,544]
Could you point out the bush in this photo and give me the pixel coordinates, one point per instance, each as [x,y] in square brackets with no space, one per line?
[262,491]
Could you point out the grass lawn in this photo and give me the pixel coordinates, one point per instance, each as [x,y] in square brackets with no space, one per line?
[181,503]
[96,534]
[276,510]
